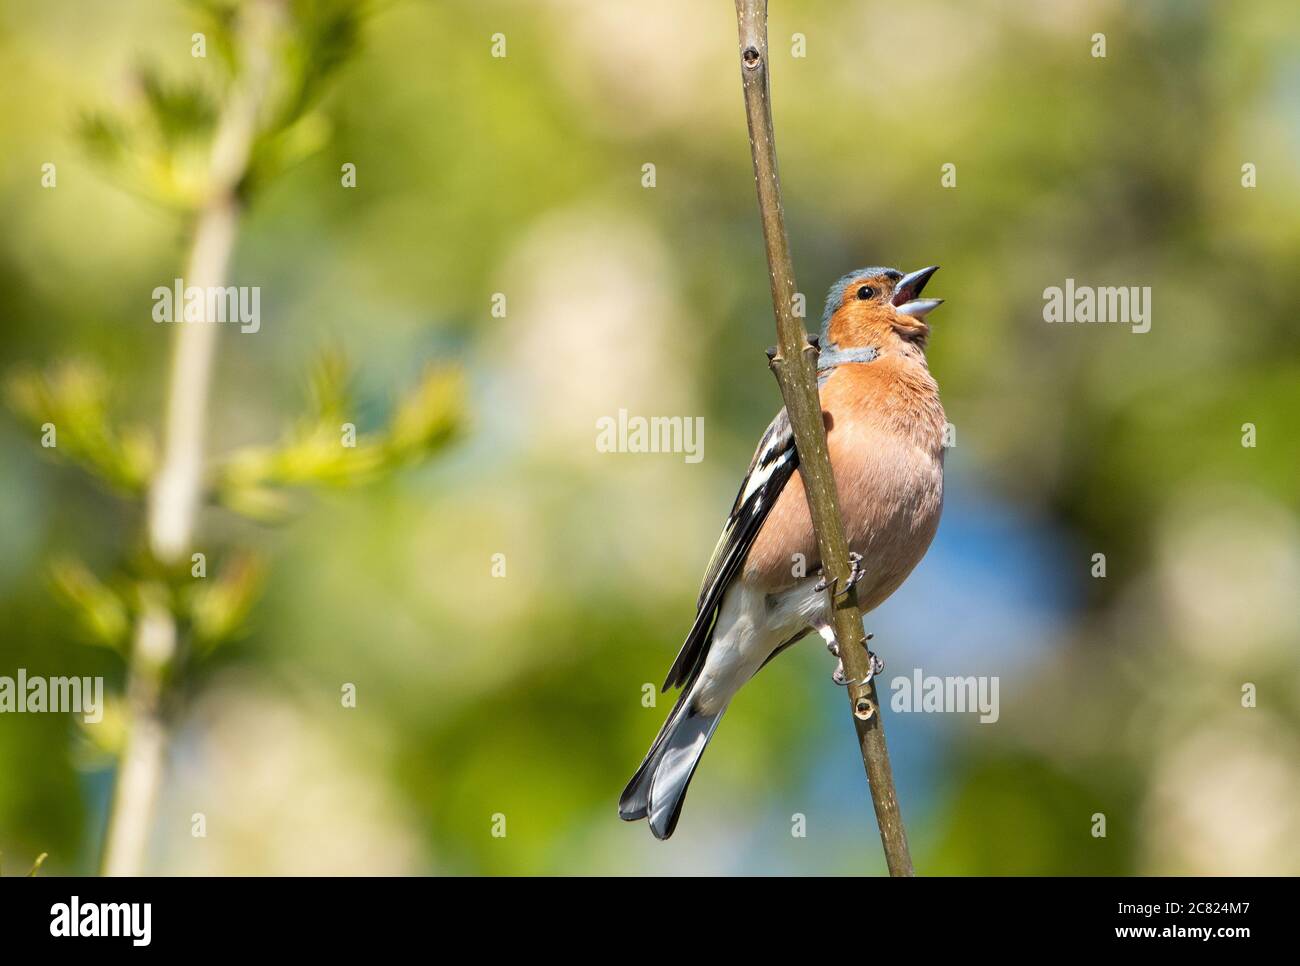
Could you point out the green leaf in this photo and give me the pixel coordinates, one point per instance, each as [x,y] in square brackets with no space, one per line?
[102,613]
[68,406]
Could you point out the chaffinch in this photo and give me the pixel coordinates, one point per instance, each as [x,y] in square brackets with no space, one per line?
[884,430]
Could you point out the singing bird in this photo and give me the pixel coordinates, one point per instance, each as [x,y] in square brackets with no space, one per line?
[884,430]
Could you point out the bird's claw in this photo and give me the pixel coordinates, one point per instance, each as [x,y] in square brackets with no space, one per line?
[874,667]
[856,573]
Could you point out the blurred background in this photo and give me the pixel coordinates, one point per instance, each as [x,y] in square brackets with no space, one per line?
[512,685]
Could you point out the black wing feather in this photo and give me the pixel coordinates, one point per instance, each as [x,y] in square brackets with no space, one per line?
[773,464]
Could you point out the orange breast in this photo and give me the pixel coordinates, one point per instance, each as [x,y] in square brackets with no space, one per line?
[884,433]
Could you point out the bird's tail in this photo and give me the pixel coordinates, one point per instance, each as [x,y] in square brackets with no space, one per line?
[658,788]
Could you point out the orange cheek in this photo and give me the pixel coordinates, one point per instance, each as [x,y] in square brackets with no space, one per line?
[848,328]
[862,324]
[841,328]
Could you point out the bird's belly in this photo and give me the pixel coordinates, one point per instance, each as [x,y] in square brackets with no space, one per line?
[890,494]
[892,503]
[752,626]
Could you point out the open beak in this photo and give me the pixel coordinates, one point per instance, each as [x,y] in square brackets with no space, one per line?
[906,292]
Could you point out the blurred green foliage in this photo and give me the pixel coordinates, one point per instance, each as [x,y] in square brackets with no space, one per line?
[175,149]
[69,406]
[521,695]
[36,865]
[313,453]
[161,148]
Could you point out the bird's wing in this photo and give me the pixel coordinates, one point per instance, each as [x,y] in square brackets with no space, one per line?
[773,464]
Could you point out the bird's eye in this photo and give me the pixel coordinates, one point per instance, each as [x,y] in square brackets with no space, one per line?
[866,292]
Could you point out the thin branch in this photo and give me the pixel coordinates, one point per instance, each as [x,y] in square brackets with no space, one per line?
[795,366]
[177,486]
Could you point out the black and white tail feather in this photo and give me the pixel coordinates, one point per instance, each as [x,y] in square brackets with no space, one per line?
[658,788]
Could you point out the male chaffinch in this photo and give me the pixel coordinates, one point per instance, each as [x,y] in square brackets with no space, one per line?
[884,431]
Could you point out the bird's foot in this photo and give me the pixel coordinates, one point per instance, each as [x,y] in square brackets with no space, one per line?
[833,646]
[875,667]
[856,573]
[838,674]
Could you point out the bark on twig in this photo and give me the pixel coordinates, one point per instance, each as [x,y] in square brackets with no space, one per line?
[795,366]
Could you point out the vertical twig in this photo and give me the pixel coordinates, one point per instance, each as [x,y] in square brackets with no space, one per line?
[177,486]
[796,371]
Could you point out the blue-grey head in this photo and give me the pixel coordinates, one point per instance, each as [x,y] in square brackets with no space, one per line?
[872,307]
